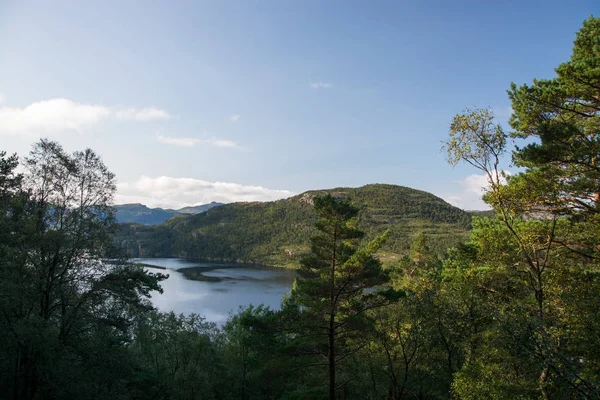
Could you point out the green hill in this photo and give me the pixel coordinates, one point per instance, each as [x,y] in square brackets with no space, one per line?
[277,232]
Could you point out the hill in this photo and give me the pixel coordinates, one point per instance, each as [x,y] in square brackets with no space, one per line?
[198,209]
[278,232]
[141,214]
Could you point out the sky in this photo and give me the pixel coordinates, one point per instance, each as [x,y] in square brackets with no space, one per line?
[189,102]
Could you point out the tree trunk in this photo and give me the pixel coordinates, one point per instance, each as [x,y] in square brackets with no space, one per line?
[330,331]
[331,354]
[542,383]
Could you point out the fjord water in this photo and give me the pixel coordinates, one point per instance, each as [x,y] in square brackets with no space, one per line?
[215,300]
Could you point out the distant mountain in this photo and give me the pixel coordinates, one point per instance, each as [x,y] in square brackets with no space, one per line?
[141,214]
[198,209]
[278,232]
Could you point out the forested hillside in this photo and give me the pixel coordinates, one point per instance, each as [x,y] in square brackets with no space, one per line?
[277,233]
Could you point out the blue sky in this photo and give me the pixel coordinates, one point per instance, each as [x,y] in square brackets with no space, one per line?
[189,102]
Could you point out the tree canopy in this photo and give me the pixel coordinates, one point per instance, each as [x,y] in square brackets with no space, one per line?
[544,244]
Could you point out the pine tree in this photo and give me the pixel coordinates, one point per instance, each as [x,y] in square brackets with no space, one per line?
[338,285]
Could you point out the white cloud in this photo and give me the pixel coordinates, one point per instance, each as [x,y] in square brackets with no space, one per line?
[59,114]
[321,85]
[50,116]
[189,142]
[234,117]
[169,192]
[144,114]
[469,198]
[473,188]
[222,143]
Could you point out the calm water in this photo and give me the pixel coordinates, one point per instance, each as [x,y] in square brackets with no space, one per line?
[241,286]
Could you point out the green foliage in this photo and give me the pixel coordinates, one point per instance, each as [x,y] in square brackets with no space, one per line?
[144,241]
[476,139]
[66,310]
[179,356]
[254,353]
[535,262]
[561,114]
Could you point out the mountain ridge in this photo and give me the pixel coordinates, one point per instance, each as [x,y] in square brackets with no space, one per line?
[141,214]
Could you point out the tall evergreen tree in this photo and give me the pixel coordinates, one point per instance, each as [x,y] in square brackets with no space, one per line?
[338,285]
[563,116]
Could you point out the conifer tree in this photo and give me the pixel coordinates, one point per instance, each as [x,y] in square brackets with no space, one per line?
[338,284]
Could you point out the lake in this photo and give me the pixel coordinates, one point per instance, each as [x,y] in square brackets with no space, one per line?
[224,288]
